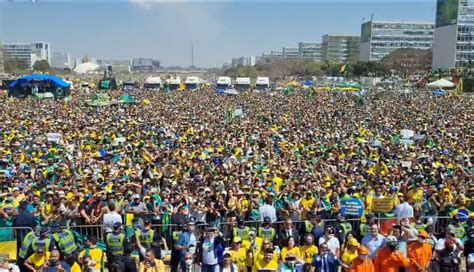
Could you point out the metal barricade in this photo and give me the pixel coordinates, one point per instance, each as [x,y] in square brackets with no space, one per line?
[83,232]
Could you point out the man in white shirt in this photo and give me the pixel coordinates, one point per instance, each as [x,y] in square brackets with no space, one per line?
[331,241]
[268,210]
[450,235]
[404,209]
[374,241]
[110,218]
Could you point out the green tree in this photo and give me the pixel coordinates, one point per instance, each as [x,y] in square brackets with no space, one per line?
[13,65]
[42,66]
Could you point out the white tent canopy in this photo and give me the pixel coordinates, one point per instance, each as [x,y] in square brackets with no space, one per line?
[441,83]
[86,68]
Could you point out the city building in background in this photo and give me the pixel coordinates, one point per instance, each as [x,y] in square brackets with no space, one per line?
[2,67]
[454,34]
[62,61]
[89,59]
[145,64]
[340,49]
[309,50]
[118,65]
[40,51]
[379,39]
[28,53]
[290,52]
[242,61]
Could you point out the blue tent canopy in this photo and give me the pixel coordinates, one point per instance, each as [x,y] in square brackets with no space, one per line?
[308,83]
[438,92]
[59,82]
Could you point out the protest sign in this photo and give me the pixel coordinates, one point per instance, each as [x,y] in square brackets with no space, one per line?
[406,141]
[406,164]
[382,205]
[419,137]
[119,140]
[54,137]
[407,133]
[238,112]
[352,206]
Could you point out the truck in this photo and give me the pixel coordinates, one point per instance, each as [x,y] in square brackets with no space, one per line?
[192,83]
[173,83]
[130,86]
[262,83]
[242,83]
[223,83]
[152,84]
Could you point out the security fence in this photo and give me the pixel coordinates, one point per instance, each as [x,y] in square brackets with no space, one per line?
[10,237]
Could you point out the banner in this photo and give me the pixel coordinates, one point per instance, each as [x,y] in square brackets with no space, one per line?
[54,137]
[382,205]
[352,206]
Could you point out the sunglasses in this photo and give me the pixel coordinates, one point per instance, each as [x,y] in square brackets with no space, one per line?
[188,258]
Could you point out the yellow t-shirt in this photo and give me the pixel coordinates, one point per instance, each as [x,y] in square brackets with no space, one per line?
[244,205]
[261,255]
[38,260]
[295,250]
[96,254]
[263,264]
[239,257]
[308,252]
[252,253]
[308,204]
[159,267]
[48,208]
[415,196]
[76,267]
[348,257]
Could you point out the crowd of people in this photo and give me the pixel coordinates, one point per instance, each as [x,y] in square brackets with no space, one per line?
[257,192]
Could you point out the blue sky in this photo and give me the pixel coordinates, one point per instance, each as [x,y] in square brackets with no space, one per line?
[164,30]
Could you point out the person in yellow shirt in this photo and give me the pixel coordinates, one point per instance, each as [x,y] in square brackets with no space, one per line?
[92,254]
[308,250]
[150,264]
[350,253]
[415,195]
[291,247]
[37,259]
[307,204]
[261,252]
[18,195]
[239,253]
[243,204]
[252,247]
[267,263]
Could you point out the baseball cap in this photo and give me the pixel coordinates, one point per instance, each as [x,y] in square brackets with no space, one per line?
[237,239]
[362,250]
[423,234]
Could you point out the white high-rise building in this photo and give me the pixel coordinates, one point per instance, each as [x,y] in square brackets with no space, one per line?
[309,50]
[28,53]
[379,38]
[290,52]
[62,61]
[454,34]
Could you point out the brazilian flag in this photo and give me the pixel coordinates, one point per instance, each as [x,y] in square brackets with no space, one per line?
[344,68]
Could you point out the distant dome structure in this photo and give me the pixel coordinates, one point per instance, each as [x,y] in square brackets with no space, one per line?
[87,67]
